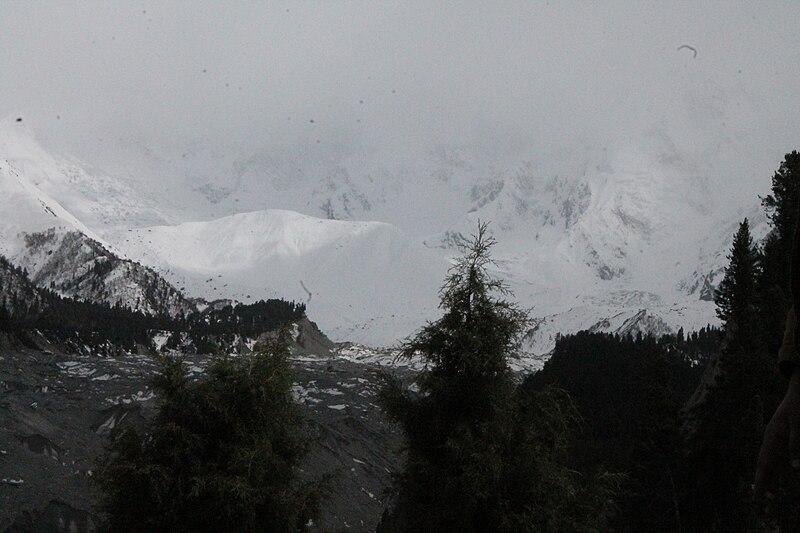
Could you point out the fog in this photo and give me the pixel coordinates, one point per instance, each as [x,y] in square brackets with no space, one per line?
[114,81]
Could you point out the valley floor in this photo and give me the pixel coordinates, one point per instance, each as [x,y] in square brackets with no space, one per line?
[58,410]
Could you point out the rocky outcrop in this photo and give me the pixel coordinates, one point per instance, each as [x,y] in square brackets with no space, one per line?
[72,264]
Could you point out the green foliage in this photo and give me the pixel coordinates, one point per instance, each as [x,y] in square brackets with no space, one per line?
[722,454]
[629,391]
[223,453]
[109,329]
[782,204]
[244,319]
[776,284]
[477,331]
[724,446]
[781,207]
[482,455]
[744,387]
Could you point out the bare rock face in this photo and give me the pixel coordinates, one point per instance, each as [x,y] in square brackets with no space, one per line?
[310,340]
[74,265]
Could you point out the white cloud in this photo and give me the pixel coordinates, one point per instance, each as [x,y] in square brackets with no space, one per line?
[110,81]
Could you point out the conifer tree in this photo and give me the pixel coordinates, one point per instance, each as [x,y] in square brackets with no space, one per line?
[736,297]
[775,291]
[781,208]
[481,455]
[223,453]
[730,420]
[629,393]
[782,204]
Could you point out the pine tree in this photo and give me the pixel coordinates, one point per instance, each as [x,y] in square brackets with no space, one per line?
[781,208]
[223,453]
[775,297]
[730,420]
[736,296]
[783,202]
[481,454]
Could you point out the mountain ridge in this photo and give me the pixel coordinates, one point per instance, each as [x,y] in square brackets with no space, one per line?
[630,222]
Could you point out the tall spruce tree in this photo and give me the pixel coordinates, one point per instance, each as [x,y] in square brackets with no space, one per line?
[482,455]
[737,297]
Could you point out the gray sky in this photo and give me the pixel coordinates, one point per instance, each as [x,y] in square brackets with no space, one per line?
[95,78]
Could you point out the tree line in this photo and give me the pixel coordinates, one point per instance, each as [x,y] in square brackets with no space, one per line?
[25,307]
[683,418]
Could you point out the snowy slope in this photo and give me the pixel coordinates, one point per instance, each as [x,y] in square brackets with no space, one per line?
[59,251]
[74,265]
[651,213]
[25,208]
[95,198]
[614,238]
[362,281]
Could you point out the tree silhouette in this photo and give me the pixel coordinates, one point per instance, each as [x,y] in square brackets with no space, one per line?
[481,454]
[223,453]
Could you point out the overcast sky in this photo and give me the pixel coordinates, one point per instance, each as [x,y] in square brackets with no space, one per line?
[92,78]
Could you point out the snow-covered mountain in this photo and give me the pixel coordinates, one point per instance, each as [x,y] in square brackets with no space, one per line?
[59,250]
[625,238]
[84,196]
[72,264]
[362,281]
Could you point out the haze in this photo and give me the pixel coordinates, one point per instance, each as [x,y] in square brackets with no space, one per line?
[118,82]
